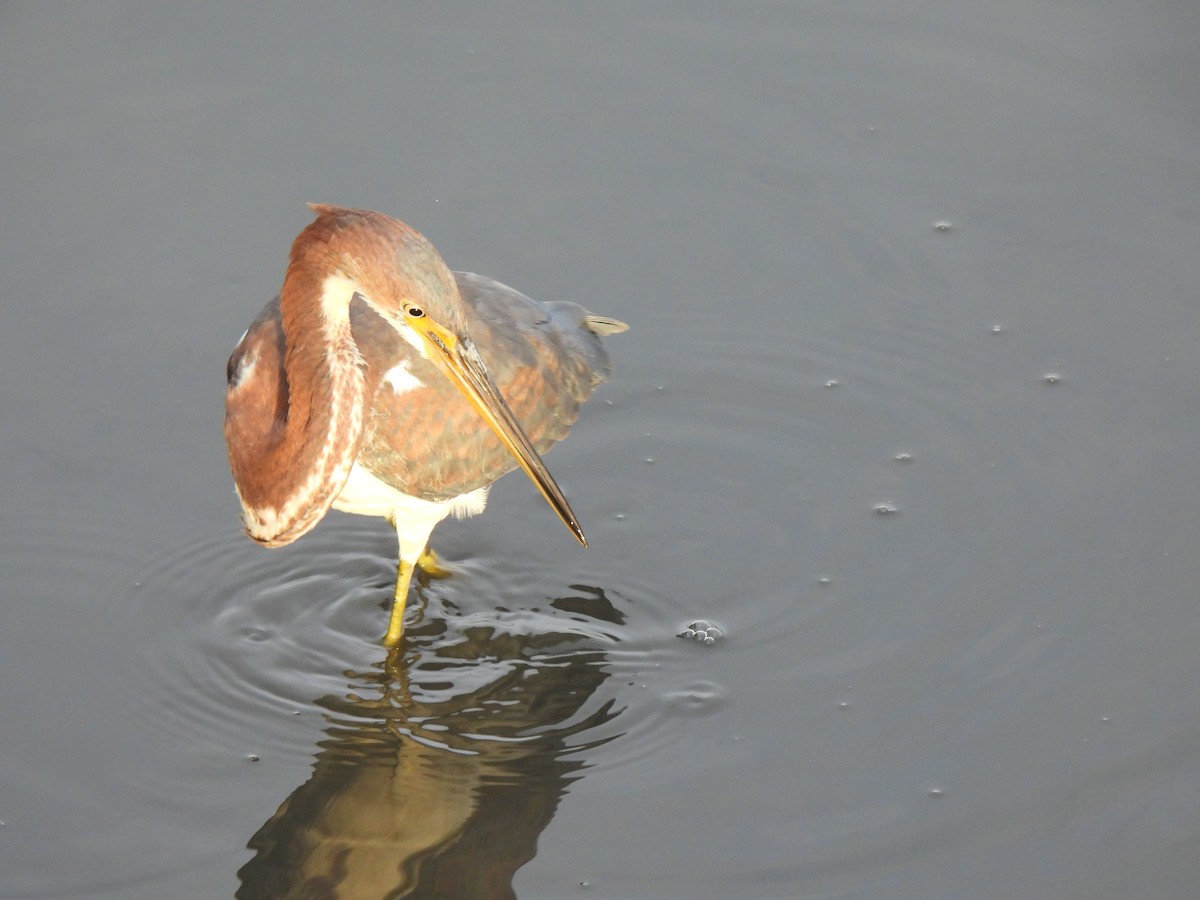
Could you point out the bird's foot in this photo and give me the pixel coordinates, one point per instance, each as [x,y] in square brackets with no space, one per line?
[430,565]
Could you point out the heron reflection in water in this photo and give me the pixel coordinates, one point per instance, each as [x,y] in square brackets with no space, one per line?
[436,778]
[381,383]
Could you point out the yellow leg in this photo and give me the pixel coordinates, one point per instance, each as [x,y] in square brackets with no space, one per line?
[428,563]
[396,624]
[431,565]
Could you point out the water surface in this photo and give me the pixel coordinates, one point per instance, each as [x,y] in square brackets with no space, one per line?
[908,410]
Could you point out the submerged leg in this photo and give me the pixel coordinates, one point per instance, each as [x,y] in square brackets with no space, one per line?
[412,535]
[396,623]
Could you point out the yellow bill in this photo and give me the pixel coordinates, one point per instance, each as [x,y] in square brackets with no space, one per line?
[461,362]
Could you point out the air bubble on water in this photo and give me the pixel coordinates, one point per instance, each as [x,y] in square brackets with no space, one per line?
[943,225]
[824,581]
[903,457]
[936,792]
[832,383]
[1051,378]
[702,632]
[886,509]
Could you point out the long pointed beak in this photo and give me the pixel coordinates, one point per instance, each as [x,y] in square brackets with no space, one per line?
[461,362]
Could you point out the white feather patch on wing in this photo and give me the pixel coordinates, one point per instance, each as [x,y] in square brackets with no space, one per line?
[401,379]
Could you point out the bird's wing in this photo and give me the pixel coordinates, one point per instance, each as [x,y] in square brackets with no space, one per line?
[561,337]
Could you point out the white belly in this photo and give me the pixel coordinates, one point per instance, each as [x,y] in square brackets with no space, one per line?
[366,495]
[414,518]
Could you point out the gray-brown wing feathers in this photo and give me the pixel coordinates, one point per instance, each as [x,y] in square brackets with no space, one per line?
[505,318]
[546,358]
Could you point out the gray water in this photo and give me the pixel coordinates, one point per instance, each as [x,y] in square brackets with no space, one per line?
[909,410]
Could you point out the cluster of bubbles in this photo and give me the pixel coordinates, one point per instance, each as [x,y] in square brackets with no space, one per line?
[702,632]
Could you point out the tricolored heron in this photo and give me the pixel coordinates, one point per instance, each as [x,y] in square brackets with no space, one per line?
[381,383]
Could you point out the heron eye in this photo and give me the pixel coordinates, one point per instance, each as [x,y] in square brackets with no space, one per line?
[414,312]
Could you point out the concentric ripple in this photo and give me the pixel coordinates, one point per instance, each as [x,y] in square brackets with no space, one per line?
[245,655]
[239,641]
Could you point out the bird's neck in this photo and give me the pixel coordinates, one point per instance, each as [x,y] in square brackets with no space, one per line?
[303,464]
